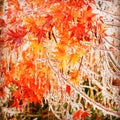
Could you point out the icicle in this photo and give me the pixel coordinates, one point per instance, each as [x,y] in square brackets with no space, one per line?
[8,58]
[20,53]
[35,73]
[39,83]
[94,108]
[86,103]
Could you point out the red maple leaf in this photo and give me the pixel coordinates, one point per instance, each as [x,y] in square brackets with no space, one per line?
[15,37]
[2,23]
[78,31]
[41,33]
[81,115]
[85,114]
[78,3]
[77,114]
[68,89]
[2,92]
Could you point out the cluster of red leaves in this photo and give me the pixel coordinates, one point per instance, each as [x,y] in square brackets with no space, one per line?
[59,14]
[23,76]
[15,37]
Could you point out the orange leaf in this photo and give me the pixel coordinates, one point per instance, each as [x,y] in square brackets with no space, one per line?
[74,76]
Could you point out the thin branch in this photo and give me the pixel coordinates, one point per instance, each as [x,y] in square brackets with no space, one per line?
[108,13]
[116,47]
[91,101]
[80,63]
[10,111]
[108,68]
[87,98]
[113,37]
[54,36]
[112,25]
[115,64]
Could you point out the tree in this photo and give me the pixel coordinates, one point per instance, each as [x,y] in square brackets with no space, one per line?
[60,51]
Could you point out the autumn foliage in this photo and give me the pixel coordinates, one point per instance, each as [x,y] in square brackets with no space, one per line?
[44,43]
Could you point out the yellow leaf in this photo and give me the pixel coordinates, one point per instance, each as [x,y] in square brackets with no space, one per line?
[74,58]
[36,47]
[64,62]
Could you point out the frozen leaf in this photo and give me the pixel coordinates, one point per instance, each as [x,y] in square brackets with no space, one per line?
[68,89]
